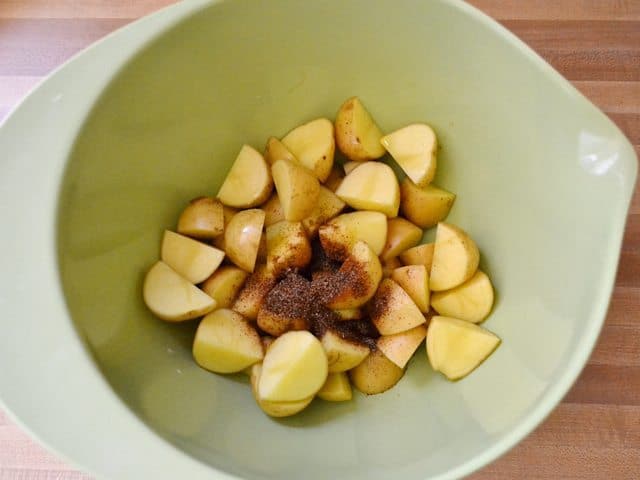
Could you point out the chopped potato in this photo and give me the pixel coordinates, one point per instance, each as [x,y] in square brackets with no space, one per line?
[249,182]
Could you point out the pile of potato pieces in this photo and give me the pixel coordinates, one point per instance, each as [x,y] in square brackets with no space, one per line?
[265,235]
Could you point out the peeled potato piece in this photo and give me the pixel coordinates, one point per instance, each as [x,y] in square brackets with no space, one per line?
[225,283]
[249,182]
[327,206]
[425,206]
[472,301]
[313,145]
[275,150]
[456,347]
[399,348]
[336,389]
[414,279]
[275,409]
[357,135]
[455,258]
[203,218]
[340,234]
[273,212]
[414,148]
[298,189]
[287,247]
[251,297]
[192,259]
[371,186]
[294,368]
[242,238]
[226,343]
[419,255]
[342,354]
[375,374]
[401,235]
[172,297]
[393,310]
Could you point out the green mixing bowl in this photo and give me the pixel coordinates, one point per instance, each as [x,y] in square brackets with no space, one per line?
[105,153]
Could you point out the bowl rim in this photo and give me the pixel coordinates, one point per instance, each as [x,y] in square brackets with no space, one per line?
[54,96]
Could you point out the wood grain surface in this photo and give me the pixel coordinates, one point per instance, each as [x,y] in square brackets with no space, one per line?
[595,432]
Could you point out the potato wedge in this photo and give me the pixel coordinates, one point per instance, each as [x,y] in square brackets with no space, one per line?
[342,354]
[456,347]
[173,298]
[327,206]
[225,284]
[339,235]
[425,206]
[194,260]
[371,186]
[375,374]
[242,238]
[294,368]
[273,212]
[336,389]
[298,189]
[472,301]
[226,343]
[203,219]
[392,309]
[313,145]
[455,258]
[357,135]
[275,150]
[414,148]
[419,255]
[274,409]
[252,295]
[248,183]
[399,348]
[401,235]
[287,247]
[414,279]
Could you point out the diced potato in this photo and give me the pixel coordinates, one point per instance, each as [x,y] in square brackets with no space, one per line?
[455,258]
[252,295]
[342,354]
[456,347]
[425,206]
[298,189]
[401,235]
[371,186]
[349,166]
[242,238]
[203,218]
[334,179]
[357,135]
[294,368]
[275,409]
[275,150]
[249,182]
[286,306]
[227,214]
[472,301]
[399,348]
[414,148]
[172,297]
[273,212]
[327,207]
[224,285]
[375,374]
[339,235]
[414,279]
[190,258]
[336,389]
[419,255]
[287,247]
[226,343]
[355,282]
[313,145]
[393,310]
[388,266]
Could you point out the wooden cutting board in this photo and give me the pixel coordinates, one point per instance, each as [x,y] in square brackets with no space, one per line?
[595,432]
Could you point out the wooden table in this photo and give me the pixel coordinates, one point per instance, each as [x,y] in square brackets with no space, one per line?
[595,432]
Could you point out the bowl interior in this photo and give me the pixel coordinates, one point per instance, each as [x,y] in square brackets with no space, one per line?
[542,179]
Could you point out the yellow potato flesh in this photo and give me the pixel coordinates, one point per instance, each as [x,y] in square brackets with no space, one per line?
[249,182]
[327,206]
[314,146]
[226,343]
[203,218]
[419,255]
[401,235]
[190,258]
[357,135]
[425,206]
[414,148]
[349,166]
[455,258]
[242,238]
[399,348]
[371,186]
[336,389]
[375,374]
[414,279]
[172,297]
[274,409]
[273,212]
[456,347]
[342,354]
[339,235]
[287,247]
[472,301]
[225,283]
[297,189]
[275,150]
[393,310]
